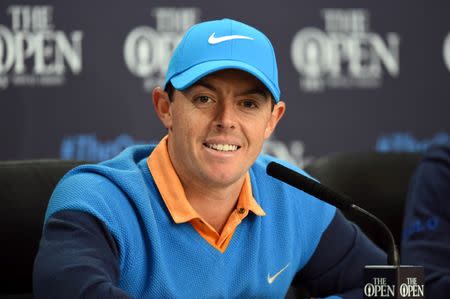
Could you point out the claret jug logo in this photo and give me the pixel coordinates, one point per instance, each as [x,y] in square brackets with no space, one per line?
[411,289]
[33,52]
[347,54]
[147,50]
[379,288]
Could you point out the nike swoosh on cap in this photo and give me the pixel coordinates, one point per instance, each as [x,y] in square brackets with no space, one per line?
[271,279]
[216,40]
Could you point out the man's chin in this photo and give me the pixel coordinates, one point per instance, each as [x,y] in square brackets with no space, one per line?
[222,177]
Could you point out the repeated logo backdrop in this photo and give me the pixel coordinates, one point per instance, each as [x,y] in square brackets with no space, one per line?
[76,78]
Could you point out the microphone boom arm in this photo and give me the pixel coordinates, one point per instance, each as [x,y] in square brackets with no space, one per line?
[393,256]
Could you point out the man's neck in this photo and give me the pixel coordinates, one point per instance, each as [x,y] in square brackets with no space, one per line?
[214,204]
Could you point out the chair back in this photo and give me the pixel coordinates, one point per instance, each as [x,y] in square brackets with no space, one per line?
[25,188]
[377,182]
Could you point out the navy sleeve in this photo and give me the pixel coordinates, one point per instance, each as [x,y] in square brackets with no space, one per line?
[426,232]
[337,265]
[77,258]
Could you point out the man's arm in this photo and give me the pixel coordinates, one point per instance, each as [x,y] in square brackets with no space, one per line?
[337,265]
[78,258]
[426,236]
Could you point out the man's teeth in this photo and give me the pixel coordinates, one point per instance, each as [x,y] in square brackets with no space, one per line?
[222,147]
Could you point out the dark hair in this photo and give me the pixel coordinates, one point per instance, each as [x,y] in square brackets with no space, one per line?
[170,90]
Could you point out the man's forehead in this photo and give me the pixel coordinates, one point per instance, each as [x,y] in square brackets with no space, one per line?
[247,81]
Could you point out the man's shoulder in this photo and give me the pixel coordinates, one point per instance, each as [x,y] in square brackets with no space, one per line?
[438,153]
[126,162]
[129,157]
[108,183]
[433,171]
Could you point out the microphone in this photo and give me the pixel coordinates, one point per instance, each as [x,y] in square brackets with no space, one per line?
[381,281]
[334,198]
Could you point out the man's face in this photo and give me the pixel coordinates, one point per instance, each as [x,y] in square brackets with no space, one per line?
[217,127]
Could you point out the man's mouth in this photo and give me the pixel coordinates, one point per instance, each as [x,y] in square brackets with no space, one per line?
[222,147]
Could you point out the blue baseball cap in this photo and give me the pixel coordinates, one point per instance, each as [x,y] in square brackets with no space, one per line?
[223,44]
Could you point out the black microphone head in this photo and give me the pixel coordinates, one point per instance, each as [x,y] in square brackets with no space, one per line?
[274,169]
[308,185]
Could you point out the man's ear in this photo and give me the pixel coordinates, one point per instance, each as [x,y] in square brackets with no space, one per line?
[277,114]
[161,103]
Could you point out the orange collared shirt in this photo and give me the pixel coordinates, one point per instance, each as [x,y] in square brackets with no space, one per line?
[172,192]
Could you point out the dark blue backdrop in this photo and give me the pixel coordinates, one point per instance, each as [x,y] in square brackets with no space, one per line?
[76,78]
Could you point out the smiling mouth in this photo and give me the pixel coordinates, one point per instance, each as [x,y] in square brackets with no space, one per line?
[222,147]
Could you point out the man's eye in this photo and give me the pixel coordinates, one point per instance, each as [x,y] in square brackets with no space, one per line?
[203,99]
[249,104]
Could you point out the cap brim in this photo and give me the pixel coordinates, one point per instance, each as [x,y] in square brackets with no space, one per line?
[195,73]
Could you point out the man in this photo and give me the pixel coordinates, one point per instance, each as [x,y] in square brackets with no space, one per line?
[197,215]
[426,237]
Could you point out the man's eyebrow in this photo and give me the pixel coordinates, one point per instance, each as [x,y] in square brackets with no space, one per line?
[254,90]
[205,84]
[257,90]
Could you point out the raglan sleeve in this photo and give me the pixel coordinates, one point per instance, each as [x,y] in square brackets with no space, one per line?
[336,268]
[78,258]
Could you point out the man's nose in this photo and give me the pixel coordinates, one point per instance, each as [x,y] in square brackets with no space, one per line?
[226,116]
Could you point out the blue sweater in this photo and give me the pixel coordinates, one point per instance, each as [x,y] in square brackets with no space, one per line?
[157,258]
